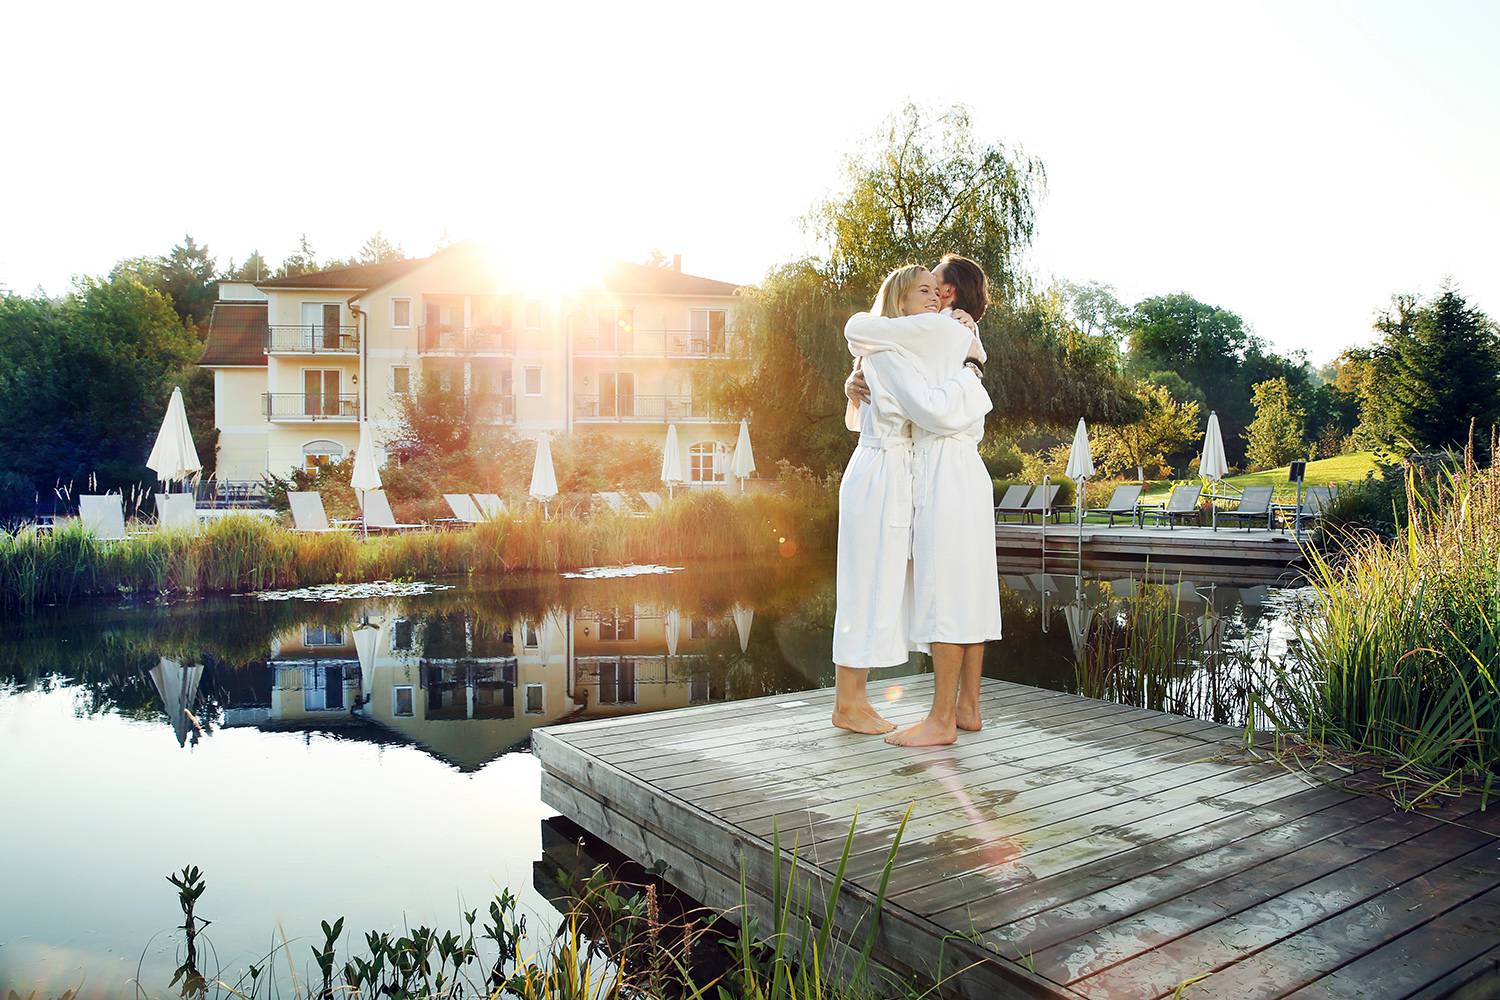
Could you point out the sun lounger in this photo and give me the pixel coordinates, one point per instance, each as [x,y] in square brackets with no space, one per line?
[378,514]
[103,516]
[1182,503]
[308,515]
[1254,508]
[1014,500]
[1040,503]
[490,505]
[465,510]
[614,501]
[652,500]
[1315,503]
[176,511]
[1122,503]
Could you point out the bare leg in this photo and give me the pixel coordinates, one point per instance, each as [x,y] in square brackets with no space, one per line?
[967,715]
[851,704]
[940,727]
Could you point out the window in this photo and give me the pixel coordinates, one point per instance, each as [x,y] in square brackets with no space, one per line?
[316,454]
[534,700]
[322,689]
[706,331]
[401,380]
[533,314]
[532,640]
[322,393]
[403,701]
[401,635]
[617,683]
[706,462]
[322,635]
[533,381]
[616,627]
[617,394]
[401,312]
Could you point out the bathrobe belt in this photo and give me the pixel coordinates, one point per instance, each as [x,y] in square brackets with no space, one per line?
[906,476]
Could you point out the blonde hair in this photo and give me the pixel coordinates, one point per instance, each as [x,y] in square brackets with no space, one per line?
[894,288]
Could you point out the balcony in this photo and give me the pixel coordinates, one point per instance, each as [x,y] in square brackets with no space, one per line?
[297,407]
[652,344]
[312,339]
[641,410]
[491,407]
[448,341]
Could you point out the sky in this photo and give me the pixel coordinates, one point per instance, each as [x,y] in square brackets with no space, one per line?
[1298,163]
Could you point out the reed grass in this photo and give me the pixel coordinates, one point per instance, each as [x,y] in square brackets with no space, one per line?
[1400,653]
[246,554]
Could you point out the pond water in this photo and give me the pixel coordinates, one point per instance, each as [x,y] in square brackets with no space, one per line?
[370,758]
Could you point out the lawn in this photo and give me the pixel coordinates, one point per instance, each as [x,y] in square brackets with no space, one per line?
[1337,470]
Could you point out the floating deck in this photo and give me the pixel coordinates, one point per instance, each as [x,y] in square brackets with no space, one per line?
[1073,848]
[1123,545]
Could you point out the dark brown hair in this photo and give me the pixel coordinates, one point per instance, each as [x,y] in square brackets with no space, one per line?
[971,289]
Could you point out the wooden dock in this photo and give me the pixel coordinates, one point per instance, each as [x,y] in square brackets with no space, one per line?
[1126,545]
[1074,848]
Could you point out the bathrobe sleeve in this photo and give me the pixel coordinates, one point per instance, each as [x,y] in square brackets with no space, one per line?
[869,329]
[945,408]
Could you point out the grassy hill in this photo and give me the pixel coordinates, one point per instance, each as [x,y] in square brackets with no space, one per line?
[1337,470]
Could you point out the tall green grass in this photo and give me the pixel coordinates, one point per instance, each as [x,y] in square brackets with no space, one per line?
[1400,651]
[244,554]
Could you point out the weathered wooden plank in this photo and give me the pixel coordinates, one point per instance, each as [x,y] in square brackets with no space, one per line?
[1173,959]
[1439,945]
[1036,932]
[1295,961]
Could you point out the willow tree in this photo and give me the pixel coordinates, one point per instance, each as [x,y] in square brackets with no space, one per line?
[923,186]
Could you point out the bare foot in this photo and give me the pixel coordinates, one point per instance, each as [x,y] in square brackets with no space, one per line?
[867,722]
[968,719]
[926,733]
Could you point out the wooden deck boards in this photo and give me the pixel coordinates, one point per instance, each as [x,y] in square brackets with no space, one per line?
[1073,848]
[1124,545]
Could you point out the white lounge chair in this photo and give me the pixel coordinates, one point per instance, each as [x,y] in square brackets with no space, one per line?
[614,502]
[1040,503]
[1014,500]
[652,500]
[465,510]
[308,515]
[490,506]
[1121,503]
[176,511]
[103,516]
[378,514]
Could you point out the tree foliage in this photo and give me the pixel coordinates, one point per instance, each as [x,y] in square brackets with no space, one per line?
[1444,369]
[1278,434]
[186,275]
[1166,426]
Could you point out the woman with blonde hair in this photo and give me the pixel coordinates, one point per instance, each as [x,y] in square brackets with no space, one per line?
[921,387]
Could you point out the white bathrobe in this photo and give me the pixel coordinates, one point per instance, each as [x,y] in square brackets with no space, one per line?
[955,582]
[875,585]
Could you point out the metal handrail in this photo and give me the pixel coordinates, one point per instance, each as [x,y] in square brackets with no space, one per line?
[638,407]
[304,406]
[312,339]
[466,340]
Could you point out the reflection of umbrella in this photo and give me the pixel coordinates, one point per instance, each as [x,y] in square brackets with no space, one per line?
[671,460]
[673,626]
[546,629]
[543,478]
[366,476]
[1211,463]
[173,456]
[743,616]
[743,463]
[178,688]
[1080,620]
[366,642]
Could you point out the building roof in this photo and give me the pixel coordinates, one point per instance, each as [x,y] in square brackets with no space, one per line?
[236,335]
[645,279]
[360,277]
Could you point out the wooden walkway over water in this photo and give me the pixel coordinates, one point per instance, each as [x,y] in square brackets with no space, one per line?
[1074,848]
[1125,545]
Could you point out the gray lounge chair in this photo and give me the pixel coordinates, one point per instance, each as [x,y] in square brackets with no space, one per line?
[103,516]
[490,505]
[465,510]
[1014,501]
[652,500]
[1122,503]
[1254,508]
[1040,503]
[308,515]
[1315,503]
[1182,503]
[176,511]
[378,514]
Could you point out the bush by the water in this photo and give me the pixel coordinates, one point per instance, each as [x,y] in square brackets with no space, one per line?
[240,553]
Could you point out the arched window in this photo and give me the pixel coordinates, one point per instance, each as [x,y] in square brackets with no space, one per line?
[319,453]
[707,462]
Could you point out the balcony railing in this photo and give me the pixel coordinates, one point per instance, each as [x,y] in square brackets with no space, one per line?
[466,340]
[491,407]
[312,339]
[640,409]
[297,406]
[653,344]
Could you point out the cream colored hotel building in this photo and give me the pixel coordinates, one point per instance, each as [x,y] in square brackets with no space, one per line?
[297,361]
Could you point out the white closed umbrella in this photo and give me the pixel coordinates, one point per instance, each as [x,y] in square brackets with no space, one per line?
[1080,469]
[1080,620]
[366,643]
[543,477]
[671,460]
[177,686]
[743,463]
[673,625]
[173,456]
[1212,465]
[366,474]
[743,618]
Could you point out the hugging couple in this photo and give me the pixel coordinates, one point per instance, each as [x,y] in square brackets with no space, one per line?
[916,553]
